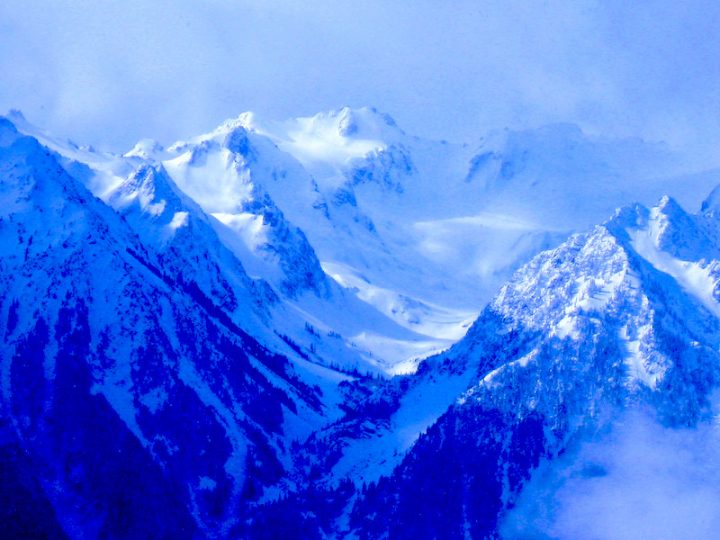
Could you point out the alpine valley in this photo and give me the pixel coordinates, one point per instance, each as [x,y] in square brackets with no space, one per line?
[327,327]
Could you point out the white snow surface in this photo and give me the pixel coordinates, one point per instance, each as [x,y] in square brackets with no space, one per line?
[406,238]
[695,277]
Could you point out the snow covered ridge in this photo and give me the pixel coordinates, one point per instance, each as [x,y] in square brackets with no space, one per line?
[415,235]
[216,321]
[622,317]
[111,346]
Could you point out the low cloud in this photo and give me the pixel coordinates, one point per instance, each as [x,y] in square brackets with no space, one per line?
[639,480]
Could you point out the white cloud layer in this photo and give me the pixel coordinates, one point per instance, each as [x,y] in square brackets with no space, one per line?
[172,68]
[641,480]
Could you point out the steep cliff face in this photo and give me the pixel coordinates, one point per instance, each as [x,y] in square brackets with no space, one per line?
[230,173]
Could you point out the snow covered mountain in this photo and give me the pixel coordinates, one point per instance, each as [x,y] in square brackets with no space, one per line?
[388,241]
[111,349]
[427,231]
[196,340]
[623,316]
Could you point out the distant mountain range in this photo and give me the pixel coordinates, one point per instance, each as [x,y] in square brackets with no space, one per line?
[329,328]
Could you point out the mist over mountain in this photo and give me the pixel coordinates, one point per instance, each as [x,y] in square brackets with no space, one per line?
[169,70]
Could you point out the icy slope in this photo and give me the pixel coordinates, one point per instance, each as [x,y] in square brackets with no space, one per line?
[236,176]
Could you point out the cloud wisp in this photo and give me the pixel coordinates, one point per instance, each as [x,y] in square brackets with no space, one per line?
[639,480]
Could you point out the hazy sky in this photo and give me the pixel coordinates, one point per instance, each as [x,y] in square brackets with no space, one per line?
[110,72]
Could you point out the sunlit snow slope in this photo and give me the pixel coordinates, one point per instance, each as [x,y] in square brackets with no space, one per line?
[387,243]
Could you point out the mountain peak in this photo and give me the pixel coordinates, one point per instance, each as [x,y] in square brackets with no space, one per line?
[16,115]
[711,204]
[361,123]
[247,120]
[8,132]
[148,149]
[150,187]
[669,206]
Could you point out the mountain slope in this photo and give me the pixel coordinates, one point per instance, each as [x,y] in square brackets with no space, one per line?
[625,315]
[410,236]
[108,355]
[231,172]
[427,231]
[207,360]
